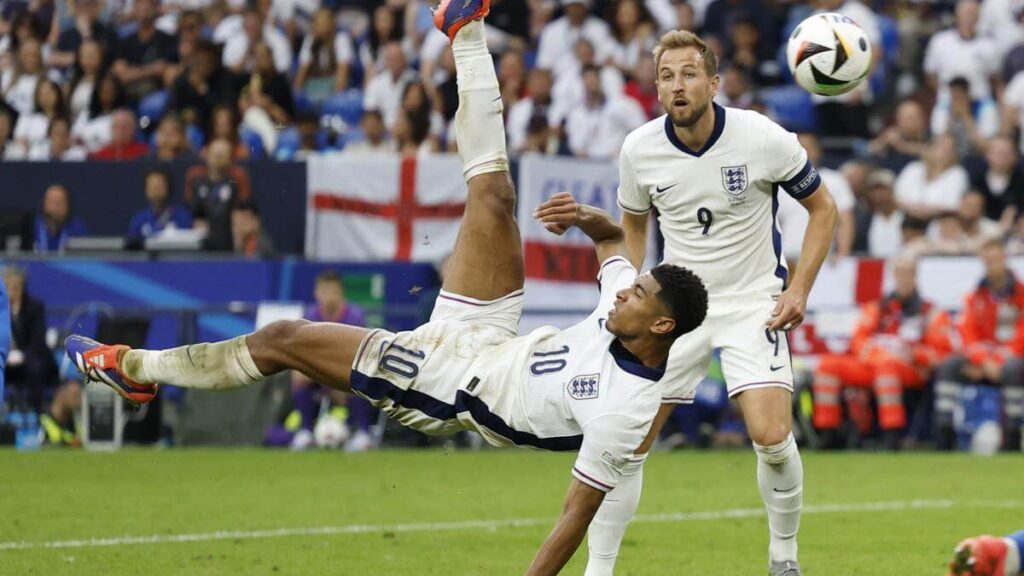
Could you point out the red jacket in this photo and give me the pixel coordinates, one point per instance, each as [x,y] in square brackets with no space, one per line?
[132,151]
[913,324]
[992,323]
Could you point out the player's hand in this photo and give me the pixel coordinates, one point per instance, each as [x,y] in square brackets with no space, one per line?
[558,213]
[789,311]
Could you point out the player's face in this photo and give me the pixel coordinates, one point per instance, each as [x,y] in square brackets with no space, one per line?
[637,310]
[684,88]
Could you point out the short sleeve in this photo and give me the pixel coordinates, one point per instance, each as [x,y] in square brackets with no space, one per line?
[616,273]
[609,443]
[342,48]
[787,163]
[631,198]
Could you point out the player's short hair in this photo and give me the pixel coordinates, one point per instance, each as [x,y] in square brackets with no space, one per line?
[686,39]
[684,294]
[330,275]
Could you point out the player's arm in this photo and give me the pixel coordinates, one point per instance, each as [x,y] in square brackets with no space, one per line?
[634,228]
[581,504]
[821,229]
[561,212]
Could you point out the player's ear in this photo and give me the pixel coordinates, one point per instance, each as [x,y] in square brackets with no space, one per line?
[663,325]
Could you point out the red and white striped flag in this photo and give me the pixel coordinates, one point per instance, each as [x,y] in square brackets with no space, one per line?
[383,208]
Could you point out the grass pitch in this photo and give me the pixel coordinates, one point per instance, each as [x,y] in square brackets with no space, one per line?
[430,512]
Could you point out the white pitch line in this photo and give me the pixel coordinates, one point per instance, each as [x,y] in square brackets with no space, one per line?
[492,525]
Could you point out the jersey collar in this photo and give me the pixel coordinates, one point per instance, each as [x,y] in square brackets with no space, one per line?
[630,363]
[715,134]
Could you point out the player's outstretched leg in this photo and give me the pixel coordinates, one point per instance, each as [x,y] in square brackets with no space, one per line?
[320,350]
[988,556]
[487,262]
[780,472]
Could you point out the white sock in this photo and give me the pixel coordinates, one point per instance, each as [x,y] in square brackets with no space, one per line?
[479,126]
[218,366]
[780,476]
[1012,558]
[609,524]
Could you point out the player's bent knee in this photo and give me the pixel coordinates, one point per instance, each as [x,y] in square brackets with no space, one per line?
[770,435]
[279,334]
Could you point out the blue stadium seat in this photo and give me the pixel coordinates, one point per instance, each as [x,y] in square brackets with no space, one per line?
[348,106]
[195,136]
[792,107]
[152,107]
[890,31]
[287,143]
[253,141]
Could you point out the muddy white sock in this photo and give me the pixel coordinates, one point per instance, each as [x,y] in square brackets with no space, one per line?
[217,366]
[479,127]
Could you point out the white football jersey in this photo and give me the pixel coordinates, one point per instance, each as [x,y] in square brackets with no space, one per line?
[718,206]
[563,390]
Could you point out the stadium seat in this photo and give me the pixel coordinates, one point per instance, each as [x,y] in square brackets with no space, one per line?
[195,136]
[152,107]
[253,141]
[287,143]
[792,107]
[348,106]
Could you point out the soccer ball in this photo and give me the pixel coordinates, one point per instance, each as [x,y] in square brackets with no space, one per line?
[330,432]
[829,54]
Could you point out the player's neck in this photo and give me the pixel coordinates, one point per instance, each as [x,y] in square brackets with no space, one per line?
[697,135]
[650,352]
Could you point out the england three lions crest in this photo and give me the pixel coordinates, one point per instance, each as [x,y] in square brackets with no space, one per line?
[584,387]
[734,178]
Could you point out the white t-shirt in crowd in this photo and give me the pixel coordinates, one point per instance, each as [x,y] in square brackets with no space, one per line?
[237,47]
[384,93]
[343,50]
[557,48]
[943,193]
[885,234]
[950,56]
[598,132]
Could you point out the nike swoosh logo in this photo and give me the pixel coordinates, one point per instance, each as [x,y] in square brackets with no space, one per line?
[786,490]
[660,189]
[777,368]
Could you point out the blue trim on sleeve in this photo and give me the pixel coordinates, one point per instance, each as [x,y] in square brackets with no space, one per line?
[804,184]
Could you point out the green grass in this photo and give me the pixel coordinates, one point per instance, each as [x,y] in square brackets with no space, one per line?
[68,495]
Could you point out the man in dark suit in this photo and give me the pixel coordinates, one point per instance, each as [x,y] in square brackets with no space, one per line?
[30,365]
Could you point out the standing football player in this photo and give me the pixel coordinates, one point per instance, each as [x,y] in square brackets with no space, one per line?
[714,175]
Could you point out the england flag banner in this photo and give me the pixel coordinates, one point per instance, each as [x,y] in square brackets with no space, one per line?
[383,208]
[561,270]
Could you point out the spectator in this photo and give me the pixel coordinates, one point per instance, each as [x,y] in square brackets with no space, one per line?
[203,86]
[142,57]
[331,306]
[247,235]
[30,366]
[375,136]
[597,128]
[416,101]
[992,332]
[1002,181]
[905,141]
[537,104]
[171,143]
[1013,108]
[384,30]
[412,133]
[960,53]
[977,229]
[84,78]
[94,129]
[897,342]
[735,89]
[32,129]
[266,99]
[384,91]
[224,126]
[569,91]
[750,52]
[793,216]
[8,149]
[633,33]
[308,127]
[970,123]
[539,138]
[935,184]
[511,77]
[123,144]
[18,82]
[325,59]
[239,55]
[556,50]
[511,17]
[720,13]
[212,189]
[884,231]
[57,147]
[160,215]
[87,29]
[914,232]
[55,225]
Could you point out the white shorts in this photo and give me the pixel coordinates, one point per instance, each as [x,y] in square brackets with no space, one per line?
[752,356]
[415,376]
